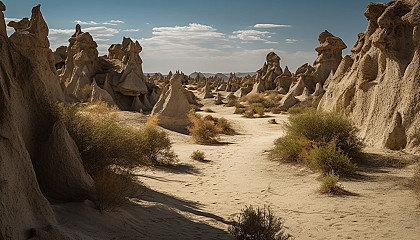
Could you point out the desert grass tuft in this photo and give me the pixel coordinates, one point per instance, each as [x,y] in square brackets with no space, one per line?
[198,155]
[330,184]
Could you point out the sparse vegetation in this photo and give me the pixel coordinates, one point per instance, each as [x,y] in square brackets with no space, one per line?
[205,130]
[258,108]
[198,155]
[330,184]
[329,158]
[295,110]
[109,149]
[326,141]
[258,224]
[112,187]
[102,141]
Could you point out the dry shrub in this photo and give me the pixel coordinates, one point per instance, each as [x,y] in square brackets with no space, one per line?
[258,224]
[253,98]
[198,155]
[295,110]
[103,141]
[239,110]
[203,131]
[330,184]
[258,108]
[112,188]
[231,103]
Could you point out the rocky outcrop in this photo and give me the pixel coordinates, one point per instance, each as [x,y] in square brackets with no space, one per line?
[378,85]
[307,83]
[172,107]
[28,138]
[265,78]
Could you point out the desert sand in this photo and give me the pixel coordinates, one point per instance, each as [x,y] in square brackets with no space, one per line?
[196,200]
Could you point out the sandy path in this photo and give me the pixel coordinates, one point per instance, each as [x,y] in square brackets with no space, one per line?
[195,200]
[238,174]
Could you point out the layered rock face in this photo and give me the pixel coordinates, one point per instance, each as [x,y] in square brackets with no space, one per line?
[38,159]
[378,85]
[173,106]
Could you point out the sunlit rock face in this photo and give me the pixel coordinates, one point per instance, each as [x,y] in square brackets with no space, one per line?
[378,85]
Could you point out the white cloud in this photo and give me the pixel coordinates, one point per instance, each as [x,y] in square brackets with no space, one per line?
[290,40]
[7,20]
[113,22]
[271,25]
[250,35]
[61,31]
[131,30]
[101,31]
[86,22]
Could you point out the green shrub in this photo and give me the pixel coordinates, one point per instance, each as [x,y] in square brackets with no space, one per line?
[258,224]
[322,127]
[291,148]
[258,108]
[329,158]
[330,185]
[198,155]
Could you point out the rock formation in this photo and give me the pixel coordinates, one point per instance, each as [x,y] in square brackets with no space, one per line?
[32,142]
[120,73]
[265,79]
[172,107]
[307,83]
[378,85]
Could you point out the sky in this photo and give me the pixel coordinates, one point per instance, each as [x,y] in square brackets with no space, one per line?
[203,36]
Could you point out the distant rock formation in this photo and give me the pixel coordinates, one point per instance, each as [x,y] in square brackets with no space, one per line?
[307,83]
[172,107]
[378,85]
[38,159]
[119,73]
[265,78]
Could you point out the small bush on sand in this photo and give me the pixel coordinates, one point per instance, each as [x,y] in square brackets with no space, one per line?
[323,127]
[258,224]
[112,188]
[203,131]
[275,110]
[291,148]
[330,185]
[258,108]
[329,158]
[253,98]
[103,141]
[198,155]
[239,110]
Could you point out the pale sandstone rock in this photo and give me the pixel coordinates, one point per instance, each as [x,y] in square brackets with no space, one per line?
[172,107]
[380,91]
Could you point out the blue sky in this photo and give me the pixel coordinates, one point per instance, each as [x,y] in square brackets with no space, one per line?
[206,36]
